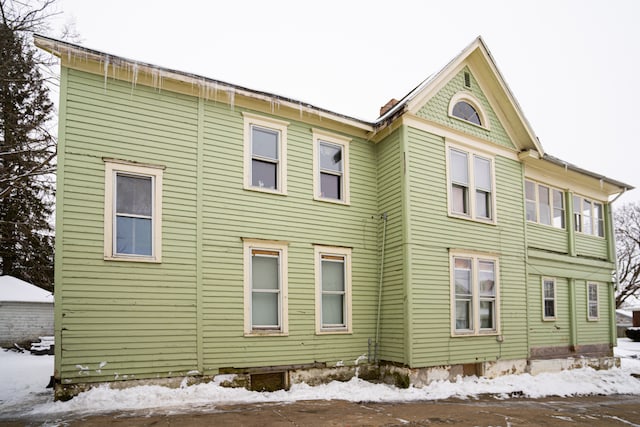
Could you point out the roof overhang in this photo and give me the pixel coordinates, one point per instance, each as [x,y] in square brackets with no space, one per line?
[112,66]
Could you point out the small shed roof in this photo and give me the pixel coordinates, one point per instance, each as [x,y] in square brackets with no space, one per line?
[16,290]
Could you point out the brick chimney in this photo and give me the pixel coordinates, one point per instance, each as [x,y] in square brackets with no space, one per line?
[388,106]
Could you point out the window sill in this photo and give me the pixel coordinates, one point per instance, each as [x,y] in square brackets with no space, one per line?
[546,226]
[266,190]
[476,220]
[334,201]
[590,236]
[467,122]
[266,334]
[475,334]
[593,319]
[549,319]
[152,260]
[334,332]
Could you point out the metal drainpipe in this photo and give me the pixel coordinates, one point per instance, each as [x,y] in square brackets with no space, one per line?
[384,239]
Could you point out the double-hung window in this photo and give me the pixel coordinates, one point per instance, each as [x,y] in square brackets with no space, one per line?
[265,287]
[265,147]
[588,216]
[333,289]
[548,299]
[592,301]
[474,294]
[471,185]
[544,204]
[133,212]
[330,167]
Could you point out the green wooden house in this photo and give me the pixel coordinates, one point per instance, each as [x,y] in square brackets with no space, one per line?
[207,228]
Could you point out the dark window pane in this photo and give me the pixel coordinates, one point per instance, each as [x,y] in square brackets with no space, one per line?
[459,203]
[330,186]
[463,314]
[134,195]
[133,236]
[264,142]
[483,204]
[330,157]
[465,111]
[487,315]
[264,174]
[549,309]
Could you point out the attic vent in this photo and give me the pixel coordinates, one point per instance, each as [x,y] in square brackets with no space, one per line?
[467,79]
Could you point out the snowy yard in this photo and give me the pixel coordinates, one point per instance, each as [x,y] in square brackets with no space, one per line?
[24,377]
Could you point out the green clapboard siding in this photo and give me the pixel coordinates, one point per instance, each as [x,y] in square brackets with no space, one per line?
[231,213]
[392,320]
[591,246]
[434,232]
[593,331]
[548,333]
[547,238]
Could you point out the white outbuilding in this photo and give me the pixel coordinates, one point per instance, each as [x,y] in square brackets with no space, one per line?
[26,312]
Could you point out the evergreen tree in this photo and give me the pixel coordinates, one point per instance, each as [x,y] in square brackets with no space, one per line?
[27,151]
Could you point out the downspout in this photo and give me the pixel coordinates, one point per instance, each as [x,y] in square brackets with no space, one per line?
[384,239]
[613,256]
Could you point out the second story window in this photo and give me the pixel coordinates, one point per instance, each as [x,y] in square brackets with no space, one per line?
[265,147]
[330,167]
[470,185]
[544,205]
[588,216]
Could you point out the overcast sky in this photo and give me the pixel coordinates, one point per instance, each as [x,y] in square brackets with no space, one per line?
[574,66]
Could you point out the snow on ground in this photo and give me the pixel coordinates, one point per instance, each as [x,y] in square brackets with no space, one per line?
[24,377]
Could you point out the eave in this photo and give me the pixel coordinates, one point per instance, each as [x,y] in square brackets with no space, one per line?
[113,66]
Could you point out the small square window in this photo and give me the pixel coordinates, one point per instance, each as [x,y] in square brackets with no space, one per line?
[330,167]
[133,212]
[265,146]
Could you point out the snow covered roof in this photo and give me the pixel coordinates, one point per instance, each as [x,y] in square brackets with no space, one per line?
[13,289]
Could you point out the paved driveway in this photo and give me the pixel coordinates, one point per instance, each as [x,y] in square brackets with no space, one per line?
[618,410]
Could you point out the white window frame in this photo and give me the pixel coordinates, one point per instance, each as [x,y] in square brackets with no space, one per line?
[544,299]
[590,301]
[475,103]
[266,245]
[345,253]
[279,126]
[343,142]
[579,217]
[552,207]
[112,168]
[475,258]
[472,189]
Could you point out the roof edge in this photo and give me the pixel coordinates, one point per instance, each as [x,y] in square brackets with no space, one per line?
[570,166]
[60,48]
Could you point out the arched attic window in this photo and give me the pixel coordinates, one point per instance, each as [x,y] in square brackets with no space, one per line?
[467,108]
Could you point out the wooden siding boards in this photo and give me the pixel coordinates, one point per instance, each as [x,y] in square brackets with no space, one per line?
[390,200]
[122,320]
[437,109]
[434,232]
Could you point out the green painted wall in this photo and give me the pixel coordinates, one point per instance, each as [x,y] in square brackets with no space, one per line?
[591,246]
[434,232]
[437,109]
[146,320]
[548,333]
[547,237]
[393,319]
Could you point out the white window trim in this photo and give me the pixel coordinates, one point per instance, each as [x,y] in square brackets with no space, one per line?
[320,135]
[111,168]
[555,299]
[589,317]
[537,202]
[272,124]
[593,202]
[271,245]
[472,188]
[475,257]
[346,253]
[475,103]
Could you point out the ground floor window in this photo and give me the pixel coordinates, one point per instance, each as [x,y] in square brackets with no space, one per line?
[333,289]
[474,294]
[265,265]
[548,299]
